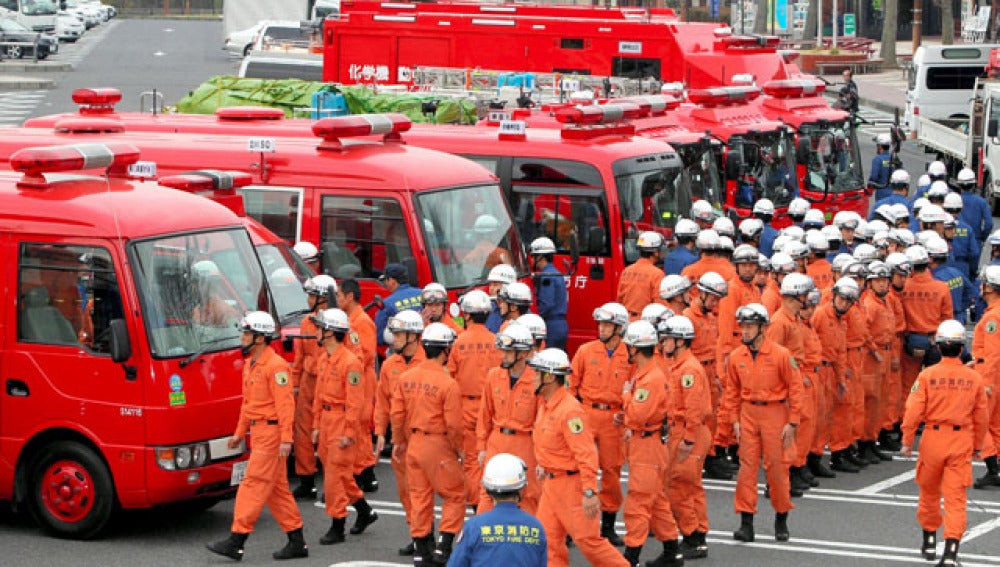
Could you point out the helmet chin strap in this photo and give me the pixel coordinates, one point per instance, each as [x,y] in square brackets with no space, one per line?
[751,342]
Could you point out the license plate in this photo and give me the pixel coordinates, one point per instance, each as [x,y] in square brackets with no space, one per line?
[239,471]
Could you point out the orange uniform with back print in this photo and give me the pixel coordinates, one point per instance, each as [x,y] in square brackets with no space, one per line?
[303,373]
[392,369]
[363,344]
[689,408]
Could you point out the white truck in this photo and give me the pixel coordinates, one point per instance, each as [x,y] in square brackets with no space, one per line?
[242,14]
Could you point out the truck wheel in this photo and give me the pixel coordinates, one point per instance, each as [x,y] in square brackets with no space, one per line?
[72,495]
[247,49]
[15,52]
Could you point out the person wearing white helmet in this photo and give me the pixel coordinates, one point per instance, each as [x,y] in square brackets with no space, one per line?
[963,294]
[639,283]
[763,209]
[950,399]
[918,205]
[881,166]
[513,300]
[550,292]
[986,353]
[818,267]
[568,458]
[268,415]
[505,478]
[901,214]
[600,369]
[806,437]
[976,211]
[674,292]
[932,217]
[965,249]
[936,192]
[499,276]
[211,307]
[742,291]
[994,243]
[653,312]
[833,239]
[426,419]
[644,417]
[487,253]
[937,171]
[751,231]
[899,182]
[725,227]
[682,255]
[830,327]
[703,214]
[847,223]
[797,210]
[309,254]
[763,272]
[880,319]
[763,398]
[712,259]
[814,219]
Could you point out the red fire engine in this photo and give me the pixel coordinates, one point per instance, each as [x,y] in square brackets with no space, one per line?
[121,360]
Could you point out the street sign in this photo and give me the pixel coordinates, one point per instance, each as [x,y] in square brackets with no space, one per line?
[850,25]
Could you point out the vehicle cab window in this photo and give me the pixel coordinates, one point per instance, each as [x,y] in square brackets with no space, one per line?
[277,208]
[360,235]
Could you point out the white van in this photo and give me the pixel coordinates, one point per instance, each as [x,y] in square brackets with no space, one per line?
[942,80]
[36,15]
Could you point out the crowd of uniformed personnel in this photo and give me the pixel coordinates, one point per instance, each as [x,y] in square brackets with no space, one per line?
[713,361]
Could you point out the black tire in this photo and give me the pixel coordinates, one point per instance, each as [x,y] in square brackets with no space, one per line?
[247,49]
[15,52]
[70,468]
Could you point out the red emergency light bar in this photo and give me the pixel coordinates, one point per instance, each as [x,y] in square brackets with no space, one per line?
[602,114]
[749,42]
[332,129]
[89,125]
[249,113]
[34,162]
[723,95]
[792,88]
[207,180]
[650,104]
[97,101]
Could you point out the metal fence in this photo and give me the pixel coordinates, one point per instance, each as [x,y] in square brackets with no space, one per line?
[167,7]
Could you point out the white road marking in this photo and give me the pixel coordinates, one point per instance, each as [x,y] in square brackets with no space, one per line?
[888,483]
[981,529]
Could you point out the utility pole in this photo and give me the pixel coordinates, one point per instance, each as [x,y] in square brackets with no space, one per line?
[917,16]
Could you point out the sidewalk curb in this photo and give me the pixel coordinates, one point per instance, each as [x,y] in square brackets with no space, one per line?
[25,84]
[40,67]
[881,105]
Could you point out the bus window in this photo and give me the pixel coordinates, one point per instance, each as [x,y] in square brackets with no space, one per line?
[575,219]
[277,208]
[359,236]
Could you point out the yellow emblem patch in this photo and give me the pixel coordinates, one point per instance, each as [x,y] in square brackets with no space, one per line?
[916,385]
[991,327]
[281,378]
[641,395]
[687,380]
[353,378]
[791,360]
[575,425]
[354,338]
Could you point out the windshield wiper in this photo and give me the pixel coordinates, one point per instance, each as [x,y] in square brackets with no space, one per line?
[289,316]
[204,348]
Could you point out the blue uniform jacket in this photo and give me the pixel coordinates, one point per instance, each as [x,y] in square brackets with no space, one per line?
[405,297]
[965,250]
[494,319]
[767,240]
[920,192]
[550,296]
[506,536]
[977,214]
[890,200]
[678,259]
[880,174]
[962,294]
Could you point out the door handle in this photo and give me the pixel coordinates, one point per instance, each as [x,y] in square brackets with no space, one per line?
[17,388]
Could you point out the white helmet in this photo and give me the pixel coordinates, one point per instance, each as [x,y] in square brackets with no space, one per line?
[899,263]
[876,226]
[434,293]
[486,224]
[306,250]
[924,181]
[763,207]
[437,334]
[865,253]
[535,324]
[724,226]
[845,219]
[847,288]
[900,177]
[900,211]
[881,239]
[674,285]
[796,284]
[476,301]
[612,313]
[902,236]
[640,334]
[515,337]
[919,204]
[917,255]
[552,361]
[753,313]
[885,211]
[258,323]
[713,283]
[505,474]
[321,285]
[937,189]
[883,139]
[953,202]
[814,217]
[840,261]
[861,232]
[937,248]
[931,214]
[653,312]
[878,270]
[937,170]
[702,210]
[678,327]
[856,270]
[332,320]
[817,242]
[408,321]
[751,228]
[793,232]
[686,228]
[925,236]
[796,250]
[542,245]
[990,275]
[782,263]
[707,240]
[649,241]
[832,233]
[965,177]
[502,273]
[516,293]
[206,269]
[950,332]
[745,254]
[798,207]
[725,243]
[763,263]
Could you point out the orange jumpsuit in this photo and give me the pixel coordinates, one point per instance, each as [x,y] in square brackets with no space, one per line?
[740,294]
[805,437]
[365,348]
[704,347]
[926,304]
[647,506]
[705,264]
[426,416]
[986,351]
[763,394]
[339,409]
[268,413]
[472,357]
[304,378]
[892,395]
[389,375]
[831,329]
[564,447]
[821,273]
[639,286]
[597,382]
[849,413]
[689,407]
[951,401]
[790,331]
[771,297]
[881,325]
[506,418]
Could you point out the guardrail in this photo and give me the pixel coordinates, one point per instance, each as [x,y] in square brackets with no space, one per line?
[33,44]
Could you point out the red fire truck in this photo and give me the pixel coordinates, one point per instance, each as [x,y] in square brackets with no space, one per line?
[121,358]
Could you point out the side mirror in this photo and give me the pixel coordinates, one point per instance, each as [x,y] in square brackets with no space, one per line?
[121,348]
[802,149]
[991,128]
[734,162]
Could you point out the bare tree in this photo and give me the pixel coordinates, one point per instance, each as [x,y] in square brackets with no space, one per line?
[947,22]
[809,31]
[761,18]
[890,25]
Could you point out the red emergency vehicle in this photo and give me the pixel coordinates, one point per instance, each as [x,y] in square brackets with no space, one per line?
[121,358]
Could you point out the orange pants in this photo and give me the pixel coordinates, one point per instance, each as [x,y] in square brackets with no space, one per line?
[433,468]
[364,456]
[760,440]
[824,386]
[840,429]
[266,483]
[646,504]
[944,468]
[806,433]
[302,445]
[910,371]
[560,510]
[685,489]
[610,454]
[856,390]
[470,465]
[402,488]
[875,373]
[712,420]
[339,487]
[991,443]
[892,388]
[521,446]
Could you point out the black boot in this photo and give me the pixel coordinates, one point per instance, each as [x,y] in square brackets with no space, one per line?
[745,533]
[632,555]
[781,527]
[928,548]
[992,476]
[852,457]
[366,480]
[717,467]
[839,462]
[808,477]
[867,452]
[443,549]
[796,480]
[888,442]
[734,457]
[950,555]
[296,547]
[671,556]
[817,467]
[335,534]
[406,550]
[306,488]
[231,547]
[608,529]
[423,549]
[694,546]
[879,452]
[366,516]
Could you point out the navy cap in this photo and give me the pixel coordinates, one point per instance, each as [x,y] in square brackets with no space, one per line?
[394,271]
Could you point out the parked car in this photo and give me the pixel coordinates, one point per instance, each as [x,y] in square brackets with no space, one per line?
[69,27]
[88,14]
[277,33]
[15,32]
[241,42]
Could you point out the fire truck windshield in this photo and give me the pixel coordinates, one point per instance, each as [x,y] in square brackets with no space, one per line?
[653,199]
[832,157]
[767,167]
[195,287]
[468,231]
[701,172]
[286,273]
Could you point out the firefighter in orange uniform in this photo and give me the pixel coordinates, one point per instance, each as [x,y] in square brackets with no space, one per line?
[435,301]
[567,465]
[882,328]
[950,400]
[673,290]
[781,265]
[764,398]
[892,395]
[926,304]
[831,326]
[848,424]
[987,357]
[644,401]
[600,369]
[405,327]
[819,268]
[712,258]
[639,284]
[513,301]
[689,407]
[320,292]
[426,417]
[340,419]
[805,437]
[268,414]
[507,413]
[473,355]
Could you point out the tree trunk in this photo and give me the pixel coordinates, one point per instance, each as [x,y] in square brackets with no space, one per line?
[809,31]
[947,23]
[890,23]
[761,19]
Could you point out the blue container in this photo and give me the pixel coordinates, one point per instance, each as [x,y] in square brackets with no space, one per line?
[326,104]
